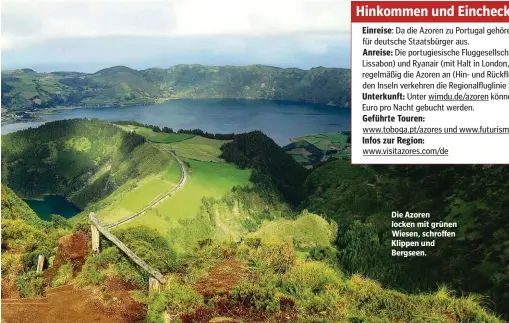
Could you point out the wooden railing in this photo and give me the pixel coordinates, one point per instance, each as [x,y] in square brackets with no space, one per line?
[98,228]
[156,277]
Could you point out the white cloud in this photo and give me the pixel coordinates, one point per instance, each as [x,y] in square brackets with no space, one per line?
[28,22]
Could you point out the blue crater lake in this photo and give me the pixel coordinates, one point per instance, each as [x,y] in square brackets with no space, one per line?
[279,120]
[53,204]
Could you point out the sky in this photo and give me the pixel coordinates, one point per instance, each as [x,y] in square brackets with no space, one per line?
[88,35]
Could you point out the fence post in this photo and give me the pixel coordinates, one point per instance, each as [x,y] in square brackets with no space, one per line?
[153,285]
[95,239]
[40,264]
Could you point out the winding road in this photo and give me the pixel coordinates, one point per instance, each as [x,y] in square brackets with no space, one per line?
[181,183]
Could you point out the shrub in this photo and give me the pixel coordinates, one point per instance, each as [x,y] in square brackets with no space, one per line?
[110,263]
[204,243]
[11,265]
[21,237]
[130,272]
[175,297]
[63,276]
[278,256]
[30,284]
[328,255]
[58,221]
[149,245]
[30,259]
[367,301]
[260,292]
[314,286]
[312,276]
[253,242]
[82,226]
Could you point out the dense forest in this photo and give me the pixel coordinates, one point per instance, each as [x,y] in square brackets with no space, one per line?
[122,86]
[273,168]
[361,199]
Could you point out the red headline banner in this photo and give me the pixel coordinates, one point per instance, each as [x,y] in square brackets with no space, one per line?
[430,11]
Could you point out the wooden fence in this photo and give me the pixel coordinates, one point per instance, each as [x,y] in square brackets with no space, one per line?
[98,228]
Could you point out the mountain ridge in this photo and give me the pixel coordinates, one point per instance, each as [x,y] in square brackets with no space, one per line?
[31,70]
[25,89]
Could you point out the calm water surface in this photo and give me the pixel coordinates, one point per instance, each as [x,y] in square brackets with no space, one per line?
[53,204]
[279,120]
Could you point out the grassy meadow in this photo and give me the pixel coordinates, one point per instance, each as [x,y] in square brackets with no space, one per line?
[135,195]
[206,179]
[158,137]
[199,148]
[307,231]
[311,149]
[326,140]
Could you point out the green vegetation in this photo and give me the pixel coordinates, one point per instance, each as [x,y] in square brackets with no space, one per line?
[64,275]
[110,263]
[279,285]
[308,231]
[29,284]
[148,245]
[273,169]
[361,200]
[313,149]
[135,195]
[195,132]
[263,237]
[59,158]
[24,238]
[15,209]
[228,218]
[176,297]
[145,242]
[121,86]
[199,148]
[160,137]
[205,180]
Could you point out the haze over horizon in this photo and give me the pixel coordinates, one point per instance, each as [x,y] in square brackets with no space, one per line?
[89,35]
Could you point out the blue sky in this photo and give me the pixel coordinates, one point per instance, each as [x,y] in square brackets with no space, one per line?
[87,35]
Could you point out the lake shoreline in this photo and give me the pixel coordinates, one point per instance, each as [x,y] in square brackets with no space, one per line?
[106,106]
[38,114]
[52,204]
[280,120]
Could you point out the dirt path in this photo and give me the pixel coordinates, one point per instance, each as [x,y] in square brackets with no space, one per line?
[68,305]
[180,184]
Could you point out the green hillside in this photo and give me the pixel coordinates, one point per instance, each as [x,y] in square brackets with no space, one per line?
[251,235]
[122,86]
[82,160]
[312,149]
[206,180]
[361,199]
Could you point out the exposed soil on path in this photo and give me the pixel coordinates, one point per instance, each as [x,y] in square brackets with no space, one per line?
[221,278]
[112,303]
[68,305]
[71,249]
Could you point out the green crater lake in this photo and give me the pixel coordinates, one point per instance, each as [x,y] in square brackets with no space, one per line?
[53,204]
